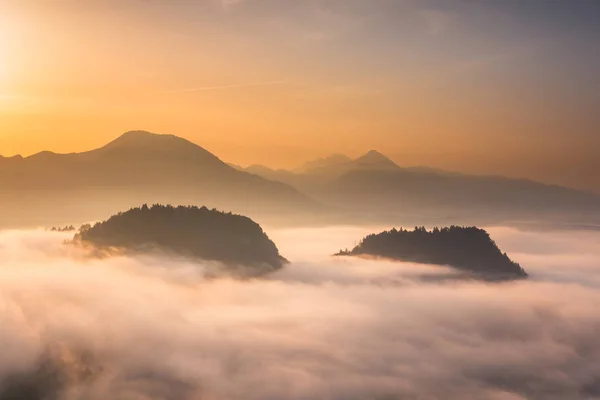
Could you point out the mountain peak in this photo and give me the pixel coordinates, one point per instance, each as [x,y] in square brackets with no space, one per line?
[43,156]
[138,134]
[374,154]
[147,140]
[11,159]
[154,146]
[16,157]
[137,138]
[375,159]
[141,134]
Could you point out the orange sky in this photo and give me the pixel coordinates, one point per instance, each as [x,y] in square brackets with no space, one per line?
[470,87]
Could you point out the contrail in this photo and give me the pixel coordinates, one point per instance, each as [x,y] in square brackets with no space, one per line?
[206,88]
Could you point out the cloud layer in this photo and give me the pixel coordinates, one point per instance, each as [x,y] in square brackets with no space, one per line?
[150,328]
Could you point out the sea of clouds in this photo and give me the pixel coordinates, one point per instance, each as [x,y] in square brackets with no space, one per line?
[74,327]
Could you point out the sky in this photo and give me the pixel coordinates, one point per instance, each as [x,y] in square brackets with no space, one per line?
[489,87]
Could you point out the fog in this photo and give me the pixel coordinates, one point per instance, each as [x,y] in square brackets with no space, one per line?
[75,327]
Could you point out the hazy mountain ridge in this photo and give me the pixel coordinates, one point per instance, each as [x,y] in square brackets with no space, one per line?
[325,162]
[281,175]
[374,160]
[374,183]
[424,188]
[323,170]
[336,165]
[13,159]
[138,167]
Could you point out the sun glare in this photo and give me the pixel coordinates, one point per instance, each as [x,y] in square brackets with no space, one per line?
[6,59]
[3,59]
[4,53]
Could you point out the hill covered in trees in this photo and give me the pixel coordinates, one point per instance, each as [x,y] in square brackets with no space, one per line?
[465,248]
[188,231]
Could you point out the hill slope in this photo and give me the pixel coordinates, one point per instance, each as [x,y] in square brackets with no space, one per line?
[138,167]
[375,184]
[189,231]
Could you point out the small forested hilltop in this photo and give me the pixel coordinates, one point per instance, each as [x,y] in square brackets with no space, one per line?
[188,231]
[466,248]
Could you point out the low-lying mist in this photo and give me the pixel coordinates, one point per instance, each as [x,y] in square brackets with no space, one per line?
[74,327]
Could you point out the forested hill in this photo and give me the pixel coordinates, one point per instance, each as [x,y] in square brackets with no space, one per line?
[465,248]
[188,231]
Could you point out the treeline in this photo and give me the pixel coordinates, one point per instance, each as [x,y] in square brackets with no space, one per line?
[68,228]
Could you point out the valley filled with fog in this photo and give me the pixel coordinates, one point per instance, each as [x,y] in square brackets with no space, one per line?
[299,200]
[151,327]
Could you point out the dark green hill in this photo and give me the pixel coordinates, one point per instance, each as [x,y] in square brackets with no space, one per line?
[191,232]
[466,248]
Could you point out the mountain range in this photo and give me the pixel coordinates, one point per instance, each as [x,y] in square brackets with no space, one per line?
[138,167]
[374,184]
[141,167]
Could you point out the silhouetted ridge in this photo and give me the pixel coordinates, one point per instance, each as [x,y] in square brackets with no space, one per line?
[137,167]
[43,156]
[188,231]
[375,159]
[332,161]
[136,139]
[466,248]
[18,157]
[135,143]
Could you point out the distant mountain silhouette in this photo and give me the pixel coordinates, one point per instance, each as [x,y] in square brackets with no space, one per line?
[332,161]
[188,231]
[374,160]
[271,174]
[425,189]
[6,160]
[138,167]
[140,145]
[338,164]
[328,167]
[373,183]
[465,248]
[323,170]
